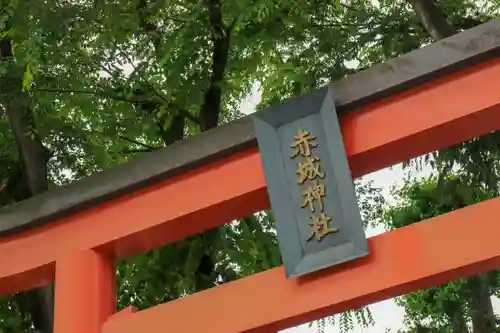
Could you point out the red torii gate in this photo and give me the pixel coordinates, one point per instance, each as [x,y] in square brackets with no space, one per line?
[437,96]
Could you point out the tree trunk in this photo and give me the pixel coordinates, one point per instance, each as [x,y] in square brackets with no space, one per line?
[454,310]
[480,306]
[433,19]
[459,323]
[206,272]
[212,105]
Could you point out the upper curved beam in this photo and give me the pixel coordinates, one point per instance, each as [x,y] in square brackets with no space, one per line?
[353,92]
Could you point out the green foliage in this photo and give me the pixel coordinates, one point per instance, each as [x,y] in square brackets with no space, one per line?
[105,81]
[420,200]
[244,247]
[346,321]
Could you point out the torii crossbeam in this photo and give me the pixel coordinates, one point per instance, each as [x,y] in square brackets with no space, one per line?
[426,100]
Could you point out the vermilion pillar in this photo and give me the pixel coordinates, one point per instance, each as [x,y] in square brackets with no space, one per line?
[84,292]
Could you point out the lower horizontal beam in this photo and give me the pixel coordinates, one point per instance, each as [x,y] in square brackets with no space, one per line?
[438,114]
[401,261]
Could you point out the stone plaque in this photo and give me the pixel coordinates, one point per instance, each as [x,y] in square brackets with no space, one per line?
[309,183]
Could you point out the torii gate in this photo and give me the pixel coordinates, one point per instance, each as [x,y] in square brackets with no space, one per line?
[428,99]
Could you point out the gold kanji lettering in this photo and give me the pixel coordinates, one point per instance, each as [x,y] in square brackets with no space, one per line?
[314,193]
[303,144]
[309,169]
[320,228]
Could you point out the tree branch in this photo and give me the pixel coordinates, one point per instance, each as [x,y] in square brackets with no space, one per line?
[146,81]
[75,91]
[102,93]
[138,150]
[137,143]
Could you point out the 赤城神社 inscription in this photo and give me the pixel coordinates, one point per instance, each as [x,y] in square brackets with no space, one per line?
[309,169]
[309,183]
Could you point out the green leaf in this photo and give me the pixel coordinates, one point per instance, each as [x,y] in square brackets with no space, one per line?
[28,78]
